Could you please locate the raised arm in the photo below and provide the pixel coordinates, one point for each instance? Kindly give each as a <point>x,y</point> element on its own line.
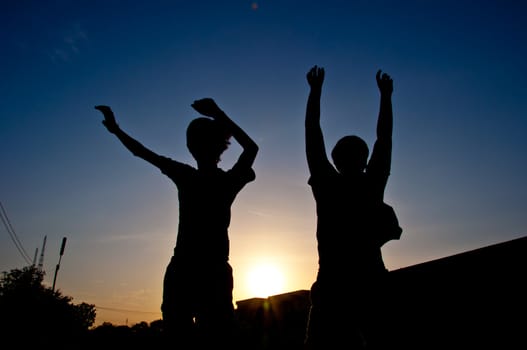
<point>315,147</point>
<point>380,161</point>
<point>131,144</point>
<point>385,121</point>
<point>209,108</point>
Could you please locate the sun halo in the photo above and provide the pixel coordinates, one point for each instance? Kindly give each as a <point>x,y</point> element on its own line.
<point>264,280</point>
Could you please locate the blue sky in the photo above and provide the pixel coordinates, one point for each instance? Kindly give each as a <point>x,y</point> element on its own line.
<point>459,160</point>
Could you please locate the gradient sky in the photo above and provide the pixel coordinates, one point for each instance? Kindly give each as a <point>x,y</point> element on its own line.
<point>459,142</point>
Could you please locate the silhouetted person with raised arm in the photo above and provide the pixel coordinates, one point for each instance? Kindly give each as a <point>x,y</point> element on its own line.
<point>353,223</point>
<point>197,288</point>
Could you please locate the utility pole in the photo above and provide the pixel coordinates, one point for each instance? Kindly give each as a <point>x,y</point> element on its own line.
<point>58,264</point>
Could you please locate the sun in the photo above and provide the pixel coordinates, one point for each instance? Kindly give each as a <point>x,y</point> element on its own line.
<point>264,280</point>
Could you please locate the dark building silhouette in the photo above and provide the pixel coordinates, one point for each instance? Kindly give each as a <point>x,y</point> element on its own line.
<point>473,299</point>
<point>276,322</point>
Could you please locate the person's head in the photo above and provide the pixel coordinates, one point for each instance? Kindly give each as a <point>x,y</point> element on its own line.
<point>350,155</point>
<point>207,139</point>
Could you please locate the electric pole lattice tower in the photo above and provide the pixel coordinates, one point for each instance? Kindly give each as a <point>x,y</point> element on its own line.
<point>41,260</point>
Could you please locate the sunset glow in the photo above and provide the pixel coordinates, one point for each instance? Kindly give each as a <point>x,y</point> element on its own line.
<point>265,280</point>
<point>457,171</point>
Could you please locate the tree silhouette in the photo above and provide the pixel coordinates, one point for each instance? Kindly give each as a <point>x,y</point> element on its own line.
<point>33,314</point>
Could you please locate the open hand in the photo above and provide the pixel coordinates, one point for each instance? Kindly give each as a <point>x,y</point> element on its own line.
<point>315,77</point>
<point>109,119</point>
<point>207,107</point>
<point>384,82</point>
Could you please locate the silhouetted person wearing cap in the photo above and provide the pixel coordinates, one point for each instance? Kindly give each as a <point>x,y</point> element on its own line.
<point>353,223</point>
<point>197,301</point>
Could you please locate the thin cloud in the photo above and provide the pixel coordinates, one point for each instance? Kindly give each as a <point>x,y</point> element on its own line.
<point>260,213</point>
<point>120,238</point>
<point>69,44</point>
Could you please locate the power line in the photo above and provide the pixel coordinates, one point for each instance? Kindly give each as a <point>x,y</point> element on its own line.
<point>12,234</point>
<point>124,310</point>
